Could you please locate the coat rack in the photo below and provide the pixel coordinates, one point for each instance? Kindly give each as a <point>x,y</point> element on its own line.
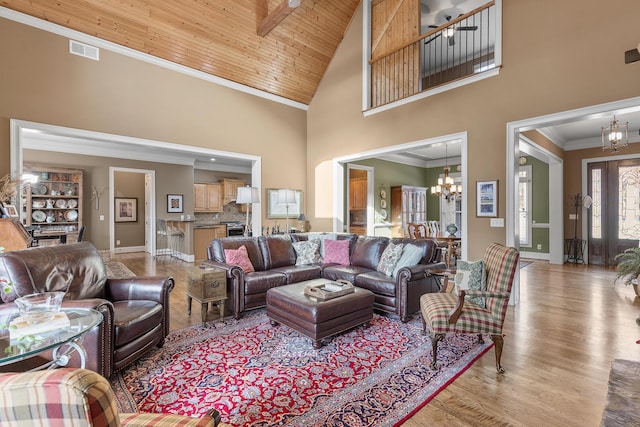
<point>575,247</point>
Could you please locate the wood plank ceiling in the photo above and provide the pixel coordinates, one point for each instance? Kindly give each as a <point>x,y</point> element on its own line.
<point>218,37</point>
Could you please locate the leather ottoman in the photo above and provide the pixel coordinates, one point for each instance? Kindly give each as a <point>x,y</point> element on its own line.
<point>315,318</point>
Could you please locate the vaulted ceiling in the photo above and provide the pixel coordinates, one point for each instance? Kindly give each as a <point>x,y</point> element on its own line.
<point>218,37</point>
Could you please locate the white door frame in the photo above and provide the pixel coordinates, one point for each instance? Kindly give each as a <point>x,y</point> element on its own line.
<point>149,209</point>
<point>338,177</point>
<point>556,223</point>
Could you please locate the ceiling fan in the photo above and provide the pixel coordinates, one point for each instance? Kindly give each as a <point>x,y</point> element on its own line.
<point>449,31</point>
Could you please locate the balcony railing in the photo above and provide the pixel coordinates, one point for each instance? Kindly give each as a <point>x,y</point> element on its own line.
<point>463,47</point>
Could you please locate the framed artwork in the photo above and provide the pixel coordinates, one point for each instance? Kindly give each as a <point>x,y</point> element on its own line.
<point>174,203</point>
<point>278,210</point>
<point>126,209</point>
<point>12,212</point>
<point>487,198</point>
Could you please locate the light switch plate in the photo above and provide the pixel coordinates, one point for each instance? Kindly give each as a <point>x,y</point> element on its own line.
<point>497,222</point>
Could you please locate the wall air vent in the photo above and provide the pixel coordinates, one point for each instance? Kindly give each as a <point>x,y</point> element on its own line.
<point>85,50</point>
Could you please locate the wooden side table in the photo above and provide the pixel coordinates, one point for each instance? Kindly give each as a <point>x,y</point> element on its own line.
<point>206,285</point>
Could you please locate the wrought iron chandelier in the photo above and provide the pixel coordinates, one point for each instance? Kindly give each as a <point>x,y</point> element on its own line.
<point>446,186</point>
<point>613,135</point>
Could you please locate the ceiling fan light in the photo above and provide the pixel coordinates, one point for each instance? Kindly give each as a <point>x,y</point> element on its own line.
<point>294,3</point>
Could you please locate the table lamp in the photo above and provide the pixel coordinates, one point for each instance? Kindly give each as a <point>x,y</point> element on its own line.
<point>303,220</point>
<point>247,196</point>
<point>287,198</point>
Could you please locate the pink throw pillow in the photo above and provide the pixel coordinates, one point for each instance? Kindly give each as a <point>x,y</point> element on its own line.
<point>336,251</point>
<point>239,257</point>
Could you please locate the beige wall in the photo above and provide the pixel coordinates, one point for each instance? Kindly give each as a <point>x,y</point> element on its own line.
<point>41,82</point>
<point>557,56</point>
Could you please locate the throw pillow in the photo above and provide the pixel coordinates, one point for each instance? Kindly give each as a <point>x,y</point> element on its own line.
<point>411,255</point>
<point>389,258</point>
<point>470,276</point>
<point>307,252</point>
<point>336,251</point>
<point>239,257</point>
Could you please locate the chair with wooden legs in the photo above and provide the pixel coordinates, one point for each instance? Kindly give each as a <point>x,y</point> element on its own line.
<point>447,313</point>
<point>416,230</point>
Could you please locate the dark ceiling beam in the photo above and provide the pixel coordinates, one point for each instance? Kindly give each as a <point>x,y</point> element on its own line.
<point>276,16</point>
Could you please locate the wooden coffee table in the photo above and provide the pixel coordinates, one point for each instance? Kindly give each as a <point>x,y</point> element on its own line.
<point>314,318</point>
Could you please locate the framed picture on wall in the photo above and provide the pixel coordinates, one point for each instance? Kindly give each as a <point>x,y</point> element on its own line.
<point>126,209</point>
<point>275,209</point>
<point>174,203</point>
<point>12,211</point>
<point>487,198</point>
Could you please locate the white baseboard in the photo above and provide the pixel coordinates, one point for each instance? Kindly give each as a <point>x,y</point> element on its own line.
<point>534,255</point>
<point>129,249</point>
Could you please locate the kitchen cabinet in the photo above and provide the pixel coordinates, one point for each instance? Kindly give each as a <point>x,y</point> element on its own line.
<point>358,194</point>
<point>202,237</point>
<point>230,189</point>
<point>359,230</point>
<point>55,202</point>
<point>408,204</point>
<point>207,197</point>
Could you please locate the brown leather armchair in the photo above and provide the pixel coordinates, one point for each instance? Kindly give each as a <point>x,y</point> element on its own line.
<point>135,310</point>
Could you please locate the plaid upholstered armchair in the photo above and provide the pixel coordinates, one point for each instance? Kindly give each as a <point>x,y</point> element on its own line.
<point>447,313</point>
<point>75,397</point>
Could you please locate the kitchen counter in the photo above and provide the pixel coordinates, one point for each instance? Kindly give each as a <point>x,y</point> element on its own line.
<point>197,237</point>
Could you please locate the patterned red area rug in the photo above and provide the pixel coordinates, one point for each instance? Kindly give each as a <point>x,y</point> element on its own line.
<point>259,375</point>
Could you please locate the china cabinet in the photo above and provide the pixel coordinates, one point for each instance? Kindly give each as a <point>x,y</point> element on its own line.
<point>408,204</point>
<point>55,202</point>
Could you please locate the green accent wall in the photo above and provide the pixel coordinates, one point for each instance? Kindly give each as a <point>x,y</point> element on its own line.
<point>539,204</point>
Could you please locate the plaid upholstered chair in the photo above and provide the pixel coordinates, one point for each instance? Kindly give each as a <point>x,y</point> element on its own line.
<point>447,313</point>
<point>75,397</point>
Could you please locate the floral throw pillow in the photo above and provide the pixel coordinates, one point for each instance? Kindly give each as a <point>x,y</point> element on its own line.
<point>336,251</point>
<point>239,257</point>
<point>390,258</point>
<point>470,276</point>
<point>307,252</point>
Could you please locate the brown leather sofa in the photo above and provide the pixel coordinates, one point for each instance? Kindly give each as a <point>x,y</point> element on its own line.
<point>135,310</point>
<point>274,258</point>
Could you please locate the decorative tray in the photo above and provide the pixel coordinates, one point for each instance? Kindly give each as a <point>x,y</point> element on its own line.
<point>329,289</point>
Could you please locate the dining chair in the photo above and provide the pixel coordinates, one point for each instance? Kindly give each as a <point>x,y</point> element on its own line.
<point>444,312</point>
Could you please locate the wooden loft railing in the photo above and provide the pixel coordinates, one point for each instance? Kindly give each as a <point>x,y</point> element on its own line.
<point>464,46</point>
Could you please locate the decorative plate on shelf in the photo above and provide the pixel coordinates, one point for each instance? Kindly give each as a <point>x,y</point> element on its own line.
<point>39,189</point>
<point>39,216</point>
<point>71,215</point>
<point>383,214</point>
<point>61,203</point>
<point>383,193</point>
<point>72,203</point>
<point>383,204</point>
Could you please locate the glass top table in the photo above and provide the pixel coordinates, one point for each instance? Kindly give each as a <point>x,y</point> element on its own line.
<point>82,320</point>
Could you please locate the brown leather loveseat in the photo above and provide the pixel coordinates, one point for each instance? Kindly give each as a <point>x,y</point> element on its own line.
<point>274,258</point>
<point>135,310</point>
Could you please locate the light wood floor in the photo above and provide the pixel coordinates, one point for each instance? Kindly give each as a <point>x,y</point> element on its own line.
<point>560,340</point>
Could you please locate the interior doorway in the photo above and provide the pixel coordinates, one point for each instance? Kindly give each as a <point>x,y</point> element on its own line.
<point>360,211</point>
<point>145,209</point>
